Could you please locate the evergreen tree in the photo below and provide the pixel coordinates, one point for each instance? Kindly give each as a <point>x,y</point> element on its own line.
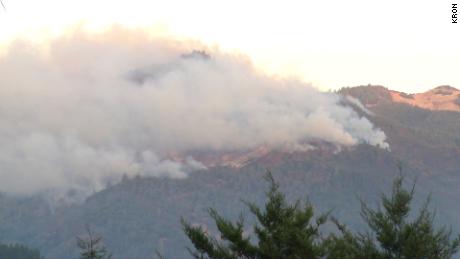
<point>394,233</point>
<point>283,230</point>
<point>91,246</point>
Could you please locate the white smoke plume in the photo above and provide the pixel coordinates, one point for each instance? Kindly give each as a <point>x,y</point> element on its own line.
<point>87,108</point>
<point>353,101</point>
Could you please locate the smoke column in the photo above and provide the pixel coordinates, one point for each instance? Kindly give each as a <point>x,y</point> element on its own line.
<point>85,108</point>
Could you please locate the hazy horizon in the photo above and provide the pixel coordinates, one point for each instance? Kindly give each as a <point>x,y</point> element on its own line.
<point>407,46</point>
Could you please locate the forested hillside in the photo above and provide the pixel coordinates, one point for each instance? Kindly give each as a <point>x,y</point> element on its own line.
<point>141,215</point>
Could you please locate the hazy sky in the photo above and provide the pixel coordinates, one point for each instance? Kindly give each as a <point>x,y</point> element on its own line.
<point>405,45</point>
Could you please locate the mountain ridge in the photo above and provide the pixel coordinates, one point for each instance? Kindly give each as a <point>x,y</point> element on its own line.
<point>372,99</point>
<point>142,214</point>
<point>441,98</point>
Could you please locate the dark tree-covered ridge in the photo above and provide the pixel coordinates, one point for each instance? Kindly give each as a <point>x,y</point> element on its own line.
<point>16,251</point>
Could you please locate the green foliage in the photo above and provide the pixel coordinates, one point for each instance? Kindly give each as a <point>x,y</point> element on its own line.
<point>283,231</point>
<point>91,246</point>
<point>286,231</point>
<point>18,252</point>
<point>394,233</point>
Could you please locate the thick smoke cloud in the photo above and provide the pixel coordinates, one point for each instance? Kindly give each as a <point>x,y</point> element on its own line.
<point>84,109</point>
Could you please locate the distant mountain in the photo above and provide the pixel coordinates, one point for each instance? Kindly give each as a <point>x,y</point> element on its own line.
<point>141,215</point>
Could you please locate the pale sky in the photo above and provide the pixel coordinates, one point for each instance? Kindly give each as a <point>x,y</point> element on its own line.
<point>405,45</point>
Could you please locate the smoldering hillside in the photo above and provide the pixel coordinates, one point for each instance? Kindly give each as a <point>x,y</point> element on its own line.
<point>83,109</point>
